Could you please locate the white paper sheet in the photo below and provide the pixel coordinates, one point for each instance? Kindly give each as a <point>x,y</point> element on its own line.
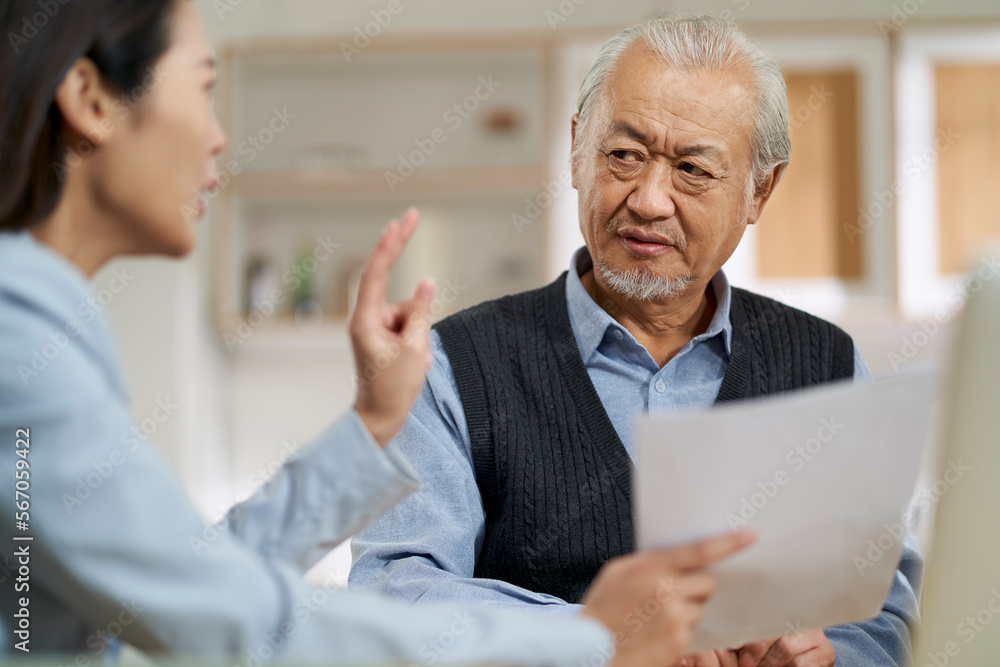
<point>823,476</point>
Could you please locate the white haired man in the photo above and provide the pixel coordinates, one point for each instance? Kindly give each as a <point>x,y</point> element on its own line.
<point>522,432</point>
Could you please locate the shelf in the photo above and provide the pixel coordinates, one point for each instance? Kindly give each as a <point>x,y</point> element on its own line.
<point>328,150</point>
<point>371,182</point>
<point>428,42</point>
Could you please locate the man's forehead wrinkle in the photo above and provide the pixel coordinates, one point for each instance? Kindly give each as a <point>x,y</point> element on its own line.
<point>675,109</point>
<point>690,131</point>
<point>666,103</point>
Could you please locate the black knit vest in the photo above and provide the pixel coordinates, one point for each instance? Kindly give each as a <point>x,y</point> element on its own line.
<point>554,476</point>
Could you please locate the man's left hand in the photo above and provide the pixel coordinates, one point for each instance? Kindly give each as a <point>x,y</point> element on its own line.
<point>805,649</point>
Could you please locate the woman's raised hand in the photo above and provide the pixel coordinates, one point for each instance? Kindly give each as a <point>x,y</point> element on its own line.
<point>390,340</point>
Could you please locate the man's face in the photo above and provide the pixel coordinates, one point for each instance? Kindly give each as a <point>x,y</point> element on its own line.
<point>663,170</point>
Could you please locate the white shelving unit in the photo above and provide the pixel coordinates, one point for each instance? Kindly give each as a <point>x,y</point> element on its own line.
<point>323,152</point>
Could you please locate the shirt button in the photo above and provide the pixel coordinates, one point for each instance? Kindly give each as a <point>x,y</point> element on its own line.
<point>618,334</point>
<point>661,386</point>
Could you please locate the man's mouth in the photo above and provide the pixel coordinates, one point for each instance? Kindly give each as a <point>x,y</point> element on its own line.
<point>644,243</point>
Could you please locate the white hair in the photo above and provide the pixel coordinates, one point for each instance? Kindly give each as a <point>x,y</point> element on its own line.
<point>693,43</point>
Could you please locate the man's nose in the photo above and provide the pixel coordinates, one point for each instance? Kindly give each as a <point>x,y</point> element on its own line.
<point>653,195</point>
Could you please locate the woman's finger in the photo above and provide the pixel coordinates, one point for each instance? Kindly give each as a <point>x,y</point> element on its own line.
<point>375,275</point>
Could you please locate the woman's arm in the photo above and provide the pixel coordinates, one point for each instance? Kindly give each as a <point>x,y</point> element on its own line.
<point>343,480</point>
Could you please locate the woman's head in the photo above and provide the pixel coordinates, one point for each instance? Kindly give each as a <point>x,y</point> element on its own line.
<point>107,110</point>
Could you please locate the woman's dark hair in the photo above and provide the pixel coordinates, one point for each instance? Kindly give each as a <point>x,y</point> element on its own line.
<point>41,41</point>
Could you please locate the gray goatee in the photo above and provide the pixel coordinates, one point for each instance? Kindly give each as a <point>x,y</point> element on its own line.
<point>639,285</point>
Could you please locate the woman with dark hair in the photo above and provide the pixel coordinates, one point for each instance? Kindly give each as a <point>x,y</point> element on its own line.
<point>106,127</point>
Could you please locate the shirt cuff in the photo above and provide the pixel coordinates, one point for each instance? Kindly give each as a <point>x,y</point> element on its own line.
<point>390,455</point>
<point>365,452</point>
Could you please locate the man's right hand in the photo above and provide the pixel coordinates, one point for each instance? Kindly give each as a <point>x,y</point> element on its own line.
<point>651,601</point>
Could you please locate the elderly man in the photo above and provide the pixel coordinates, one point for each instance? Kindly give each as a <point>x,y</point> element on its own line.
<point>522,432</point>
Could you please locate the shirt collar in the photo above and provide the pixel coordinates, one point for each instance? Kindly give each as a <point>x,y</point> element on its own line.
<point>590,322</point>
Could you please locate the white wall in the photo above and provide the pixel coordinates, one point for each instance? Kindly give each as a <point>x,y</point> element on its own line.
<point>171,355</point>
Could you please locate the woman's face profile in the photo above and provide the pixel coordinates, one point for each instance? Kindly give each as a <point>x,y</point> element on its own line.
<point>151,169</point>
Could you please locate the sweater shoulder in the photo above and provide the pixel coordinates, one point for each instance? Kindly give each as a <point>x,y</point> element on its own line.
<point>757,306</point>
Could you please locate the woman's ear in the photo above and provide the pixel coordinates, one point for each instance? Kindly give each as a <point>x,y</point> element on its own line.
<point>85,103</point>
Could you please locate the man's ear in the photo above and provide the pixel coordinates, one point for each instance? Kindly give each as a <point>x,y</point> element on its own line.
<point>573,124</point>
<point>85,103</point>
<point>763,193</point>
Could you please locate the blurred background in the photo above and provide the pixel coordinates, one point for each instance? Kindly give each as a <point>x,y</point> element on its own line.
<point>341,115</point>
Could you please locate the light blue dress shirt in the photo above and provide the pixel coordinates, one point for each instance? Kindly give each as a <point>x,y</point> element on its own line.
<point>426,548</point>
<point>118,551</point>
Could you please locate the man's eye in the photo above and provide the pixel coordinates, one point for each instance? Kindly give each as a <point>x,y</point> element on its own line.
<point>625,156</point>
<point>693,170</point>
